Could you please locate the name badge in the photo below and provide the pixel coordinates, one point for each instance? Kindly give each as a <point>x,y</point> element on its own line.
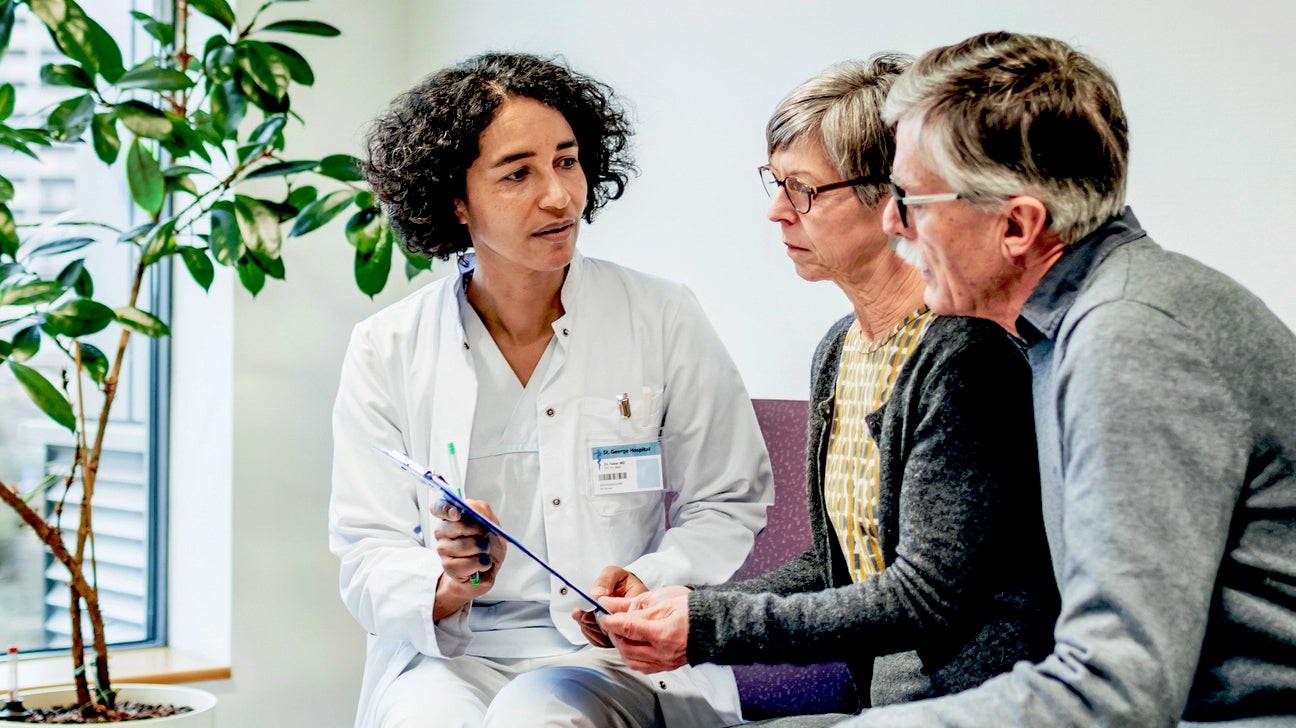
<point>630,468</point>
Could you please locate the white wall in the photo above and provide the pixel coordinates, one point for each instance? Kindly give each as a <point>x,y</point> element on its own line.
<point>1206,86</point>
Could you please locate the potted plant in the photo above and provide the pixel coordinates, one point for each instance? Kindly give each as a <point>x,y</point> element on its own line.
<point>186,126</point>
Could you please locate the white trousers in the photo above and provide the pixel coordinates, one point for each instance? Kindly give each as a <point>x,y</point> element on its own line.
<point>588,688</point>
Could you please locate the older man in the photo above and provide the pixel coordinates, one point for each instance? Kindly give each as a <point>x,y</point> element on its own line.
<point>1165,399</point>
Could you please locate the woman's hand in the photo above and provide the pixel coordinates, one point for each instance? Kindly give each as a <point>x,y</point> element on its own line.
<point>650,630</point>
<point>467,550</point>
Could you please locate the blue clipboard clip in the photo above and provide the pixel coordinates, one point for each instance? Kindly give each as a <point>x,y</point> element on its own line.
<point>426,476</point>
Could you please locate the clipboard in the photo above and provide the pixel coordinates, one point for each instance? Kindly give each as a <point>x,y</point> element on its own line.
<point>428,477</point>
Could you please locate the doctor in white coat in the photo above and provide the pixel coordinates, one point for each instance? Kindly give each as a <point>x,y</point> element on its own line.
<point>590,406</point>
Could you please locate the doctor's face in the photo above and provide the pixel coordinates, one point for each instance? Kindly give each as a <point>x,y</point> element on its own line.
<point>525,191</point>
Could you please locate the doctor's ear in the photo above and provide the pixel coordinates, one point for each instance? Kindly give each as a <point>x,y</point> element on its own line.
<point>461,211</point>
<point>1027,221</point>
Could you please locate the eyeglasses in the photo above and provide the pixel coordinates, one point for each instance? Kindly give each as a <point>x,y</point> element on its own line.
<point>904,201</point>
<point>802,195</point>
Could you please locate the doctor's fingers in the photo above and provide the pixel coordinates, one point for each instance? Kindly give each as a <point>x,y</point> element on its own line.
<point>469,528</point>
<point>461,568</point>
<point>463,546</point>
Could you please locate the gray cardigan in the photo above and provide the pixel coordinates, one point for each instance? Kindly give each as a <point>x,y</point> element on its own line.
<point>967,583</point>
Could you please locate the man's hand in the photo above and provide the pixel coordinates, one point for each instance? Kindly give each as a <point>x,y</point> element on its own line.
<point>467,550</point>
<point>613,581</point>
<point>651,630</point>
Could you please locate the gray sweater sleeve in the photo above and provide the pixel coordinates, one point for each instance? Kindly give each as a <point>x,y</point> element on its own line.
<point>960,466</point>
<point>1154,451</point>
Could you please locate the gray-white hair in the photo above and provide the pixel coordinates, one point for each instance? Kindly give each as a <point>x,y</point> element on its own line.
<point>1004,114</point>
<point>841,109</point>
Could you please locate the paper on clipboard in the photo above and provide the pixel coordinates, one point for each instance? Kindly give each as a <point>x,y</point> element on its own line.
<point>428,477</point>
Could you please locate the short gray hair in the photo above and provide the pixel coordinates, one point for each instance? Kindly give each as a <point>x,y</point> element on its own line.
<point>840,108</point>
<point>1004,114</point>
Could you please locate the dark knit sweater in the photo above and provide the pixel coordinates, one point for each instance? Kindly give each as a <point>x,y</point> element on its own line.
<point>968,583</point>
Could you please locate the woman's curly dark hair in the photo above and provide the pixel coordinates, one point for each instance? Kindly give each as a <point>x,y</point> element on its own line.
<point>420,149</point>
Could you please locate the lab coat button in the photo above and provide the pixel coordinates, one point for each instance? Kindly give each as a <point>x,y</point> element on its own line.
<point>563,591</point>
<point>662,683</point>
<point>557,501</point>
<point>550,411</point>
<point>564,332</point>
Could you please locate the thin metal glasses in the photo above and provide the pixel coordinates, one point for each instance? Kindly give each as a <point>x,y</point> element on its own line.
<point>802,195</point>
<point>904,201</point>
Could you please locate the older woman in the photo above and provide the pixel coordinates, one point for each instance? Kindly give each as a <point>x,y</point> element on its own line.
<point>534,360</point>
<point>923,488</point>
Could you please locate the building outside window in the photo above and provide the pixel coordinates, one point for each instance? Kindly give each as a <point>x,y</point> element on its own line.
<point>70,183</point>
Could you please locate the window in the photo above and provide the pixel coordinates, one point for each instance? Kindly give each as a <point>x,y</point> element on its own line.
<point>70,183</point>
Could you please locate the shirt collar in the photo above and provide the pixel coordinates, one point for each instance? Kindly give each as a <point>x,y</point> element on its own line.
<point>1042,314</point>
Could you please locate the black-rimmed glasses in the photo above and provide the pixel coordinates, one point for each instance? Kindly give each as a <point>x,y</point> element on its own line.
<point>904,201</point>
<point>802,195</point>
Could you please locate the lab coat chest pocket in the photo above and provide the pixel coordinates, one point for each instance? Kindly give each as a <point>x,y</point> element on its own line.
<point>623,461</point>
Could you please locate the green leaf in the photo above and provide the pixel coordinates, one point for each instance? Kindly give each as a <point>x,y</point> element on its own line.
<point>66,74</point>
<point>258,226</point>
<point>7,96</point>
<point>372,269</point>
<point>147,185</point>
<point>225,239</point>
<point>80,38</point>
<point>6,189</point>
<point>364,198</point>
<point>26,343</point>
<point>56,247</point>
<point>301,197</point>
<point>137,233</point>
<point>217,10</point>
<point>27,293</point>
<point>279,169</point>
<point>185,140</point>
<point>8,232</point>
<point>321,211</point>
<point>342,167</point>
<point>273,267</point>
<point>219,59</point>
<point>305,27</point>
<point>103,132</point>
<point>364,230</point>
<point>155,79</point>
<point>46,397</point>
<point>259,97</point>
<point>94,362</point>
<point>144,119</point>
<point>163,32</point>
<point>414,264</point>
<point>267,69</point>
<point>78,317</point>
<point>5,350</point>
<point>69,120</point>
<point>251,275</point>
<point>75,276</point>
<point>267,134</point>
<point>142,322</point>
<point>199,265</point>
<point>297,65</point>
<point>228,107</point>
<point>7,17</point>
<point>161,243</point>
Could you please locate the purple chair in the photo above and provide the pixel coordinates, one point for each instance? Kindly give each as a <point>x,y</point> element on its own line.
<point>769,691</point>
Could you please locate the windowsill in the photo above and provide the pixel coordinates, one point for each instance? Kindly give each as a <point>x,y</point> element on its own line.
<point>139,665</point>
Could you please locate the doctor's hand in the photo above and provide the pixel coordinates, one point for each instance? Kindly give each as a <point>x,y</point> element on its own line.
<point>467,550</point>
<point>613,581</point>
<point>650,630</point>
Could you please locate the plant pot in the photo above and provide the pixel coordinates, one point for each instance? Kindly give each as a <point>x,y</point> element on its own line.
<point>203,703</point>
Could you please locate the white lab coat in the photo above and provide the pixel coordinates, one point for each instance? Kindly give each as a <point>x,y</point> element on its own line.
<point>407,383</point>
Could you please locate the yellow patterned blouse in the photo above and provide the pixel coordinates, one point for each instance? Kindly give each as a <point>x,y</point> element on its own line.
<point>868,372</point>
